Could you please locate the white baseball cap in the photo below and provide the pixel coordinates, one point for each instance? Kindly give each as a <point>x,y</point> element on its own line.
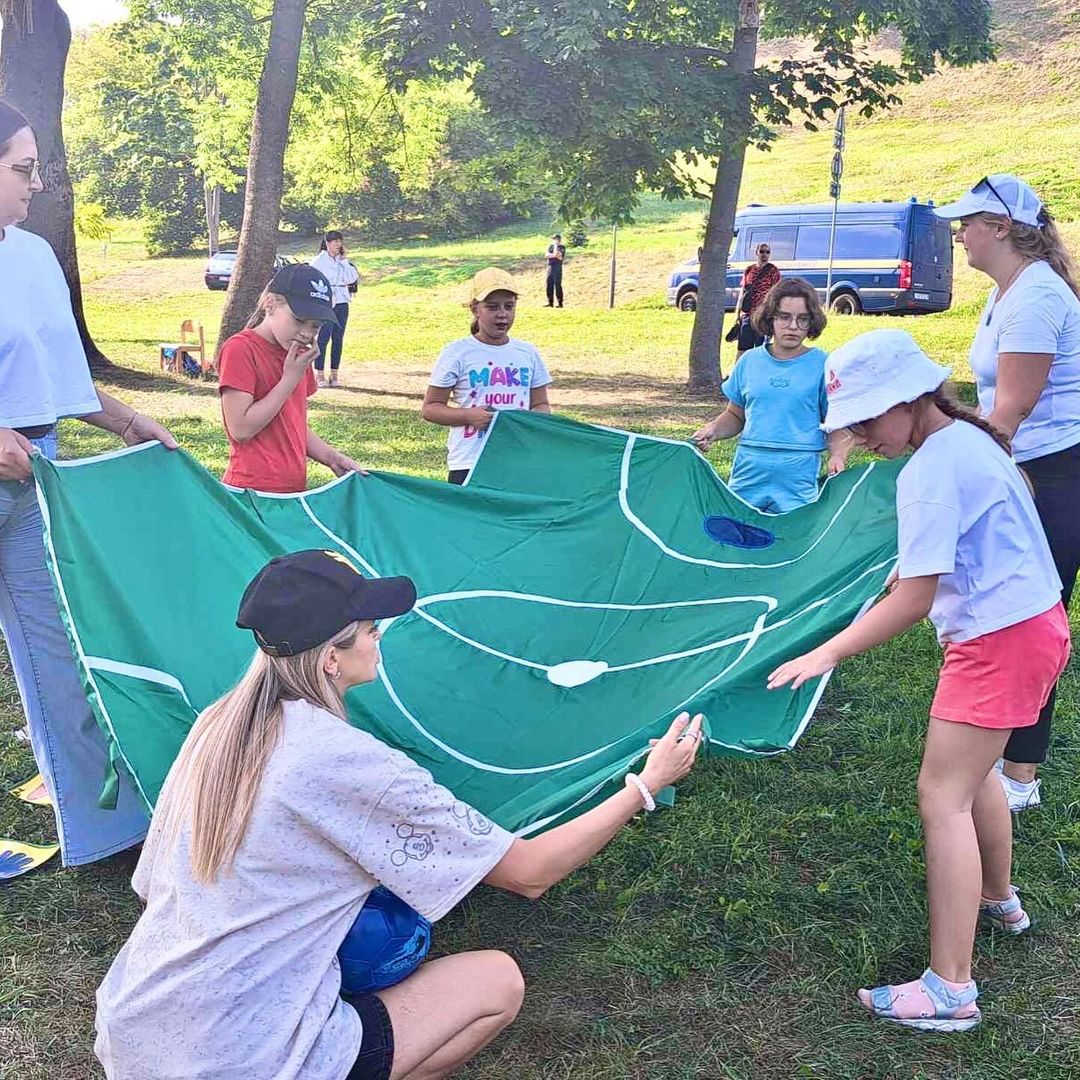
<point>1000,192</point>
<point>871,373</point>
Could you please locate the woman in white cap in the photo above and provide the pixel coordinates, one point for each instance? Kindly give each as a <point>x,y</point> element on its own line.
<point>974,558</point>
<point>1026,360</point>
<point>484,373</point>
<point>276,823</point>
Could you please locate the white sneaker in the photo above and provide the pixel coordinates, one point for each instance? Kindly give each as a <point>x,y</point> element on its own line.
<point>321,381</point>
<point>1020,796</point>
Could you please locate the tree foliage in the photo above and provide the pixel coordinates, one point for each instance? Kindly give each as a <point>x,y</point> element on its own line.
<point>615,96</point>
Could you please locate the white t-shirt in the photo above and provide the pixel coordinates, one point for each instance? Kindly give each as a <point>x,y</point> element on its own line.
<point>964,513</point>
<point>239,979</point>
<point>43,372</point>
<point>1039,313</point>
<point>339,272</point>
<point>485,376</point>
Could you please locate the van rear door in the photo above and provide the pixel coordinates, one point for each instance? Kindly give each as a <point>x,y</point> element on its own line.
<point>931,260</point>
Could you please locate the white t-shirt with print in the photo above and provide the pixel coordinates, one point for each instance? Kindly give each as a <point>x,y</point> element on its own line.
<point>485,376</point>
<point>1039,313</point>
<point>239,978</point>
<point>964,513</point>
<point>43,372</point>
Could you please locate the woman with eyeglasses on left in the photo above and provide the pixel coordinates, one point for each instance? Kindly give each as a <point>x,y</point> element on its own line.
<point>776,404</point>
<point>44,377</point>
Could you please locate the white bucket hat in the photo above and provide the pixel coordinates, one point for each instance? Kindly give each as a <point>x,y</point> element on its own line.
<point>871,373</point>
<point>996,194</point>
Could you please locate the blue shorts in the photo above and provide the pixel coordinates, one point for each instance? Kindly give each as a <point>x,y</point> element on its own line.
<point>775,481</point>
<point>376,1057</point>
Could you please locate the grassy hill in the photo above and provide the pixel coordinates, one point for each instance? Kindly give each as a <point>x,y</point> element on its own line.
<point>722,941</point>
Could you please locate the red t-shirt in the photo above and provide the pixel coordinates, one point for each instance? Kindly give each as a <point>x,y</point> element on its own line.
<point>276,459</point>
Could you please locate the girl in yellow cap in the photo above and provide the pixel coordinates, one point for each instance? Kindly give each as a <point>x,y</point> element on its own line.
<point>483,373</point>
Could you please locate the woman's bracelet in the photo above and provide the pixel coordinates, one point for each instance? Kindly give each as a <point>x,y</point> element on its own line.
<point>635,781</point>
<point>127,427</point>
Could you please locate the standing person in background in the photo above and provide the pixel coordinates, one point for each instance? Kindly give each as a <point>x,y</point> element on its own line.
<point>556,256</point>
<point>44,377</point>
<point>1026,360</point>
<point>758,279</point>
<point>485,372</point>
<point>343,278</point>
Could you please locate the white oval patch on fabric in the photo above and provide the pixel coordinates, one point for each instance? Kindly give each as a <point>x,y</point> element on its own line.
<point>576,672</point>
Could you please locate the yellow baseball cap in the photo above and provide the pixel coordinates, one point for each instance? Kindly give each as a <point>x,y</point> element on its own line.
<point>491,279</point>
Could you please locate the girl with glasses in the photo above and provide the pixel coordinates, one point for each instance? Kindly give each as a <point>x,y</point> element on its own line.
<point>776,403</point>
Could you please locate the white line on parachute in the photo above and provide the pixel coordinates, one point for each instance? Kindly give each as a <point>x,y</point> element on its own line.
<point>137,671</point>
<point>624,480</point>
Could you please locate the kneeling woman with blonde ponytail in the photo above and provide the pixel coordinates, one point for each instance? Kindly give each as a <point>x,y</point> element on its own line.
<point>275,824</point>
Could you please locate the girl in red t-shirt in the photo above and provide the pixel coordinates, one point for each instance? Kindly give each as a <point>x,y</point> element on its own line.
<point>265,379</point>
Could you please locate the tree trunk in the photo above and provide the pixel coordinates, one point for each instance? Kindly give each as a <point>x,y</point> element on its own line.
<point>33,56</point>
<point>705,373</point>
<point>266,167</point>
<point>212,197</point>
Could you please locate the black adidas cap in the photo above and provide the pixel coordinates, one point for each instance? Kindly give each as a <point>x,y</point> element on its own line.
<point>307,290</point>
<point>300,600</point>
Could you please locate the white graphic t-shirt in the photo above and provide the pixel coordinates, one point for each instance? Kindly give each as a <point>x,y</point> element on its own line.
<point>239,978</point>
<point>485,376</point>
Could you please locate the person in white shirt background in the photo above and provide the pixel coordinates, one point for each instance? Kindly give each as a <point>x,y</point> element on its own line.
<point>43,378</point>
<point>277,821</point>
<point>343,278</point>
<point>1026,360</point>
<point>486,372</point>
<point>974,558</point>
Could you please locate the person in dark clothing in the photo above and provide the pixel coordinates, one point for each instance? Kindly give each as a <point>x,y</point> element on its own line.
<point>556,254</point>
<point>758,279</point>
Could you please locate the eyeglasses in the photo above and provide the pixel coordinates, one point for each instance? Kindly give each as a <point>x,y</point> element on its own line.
<point>784,318</point>
<point>993,191</point>
<point>32,171</point>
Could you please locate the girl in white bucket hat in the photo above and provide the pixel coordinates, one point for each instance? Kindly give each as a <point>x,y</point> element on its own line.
<point>972,556</point>
<point>1026,360</point>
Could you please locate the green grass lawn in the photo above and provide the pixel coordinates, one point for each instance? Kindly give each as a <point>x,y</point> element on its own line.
<point>724,939</point>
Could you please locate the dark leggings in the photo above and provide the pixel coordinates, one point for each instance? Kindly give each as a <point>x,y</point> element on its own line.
<point>335,334</point>
<point>1056,479</point>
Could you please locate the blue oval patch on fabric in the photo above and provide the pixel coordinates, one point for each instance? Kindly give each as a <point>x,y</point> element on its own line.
<point>725,530</point>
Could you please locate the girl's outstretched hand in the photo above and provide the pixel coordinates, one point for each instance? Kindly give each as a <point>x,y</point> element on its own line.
<point>802,668</point>
<point>671,756</point>
<point>704,437</point>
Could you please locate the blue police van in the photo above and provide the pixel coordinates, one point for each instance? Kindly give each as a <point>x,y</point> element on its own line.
<point>889,257</point>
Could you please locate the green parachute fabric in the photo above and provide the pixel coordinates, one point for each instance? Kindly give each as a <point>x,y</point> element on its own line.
<point>583,588</point>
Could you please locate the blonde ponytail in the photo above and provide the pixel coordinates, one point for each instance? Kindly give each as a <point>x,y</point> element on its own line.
<point>216,778</point>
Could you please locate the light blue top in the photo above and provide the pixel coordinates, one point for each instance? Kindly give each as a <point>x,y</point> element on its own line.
<point>784,400</point>
<point>1038,313</point>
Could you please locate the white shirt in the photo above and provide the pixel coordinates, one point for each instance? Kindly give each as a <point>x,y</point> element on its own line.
<point>239,979</point>
<point>43,372</point>
<point>964,513</point>
<point>485,376</point>
<point>1039,313</point>
<point>339,272</point>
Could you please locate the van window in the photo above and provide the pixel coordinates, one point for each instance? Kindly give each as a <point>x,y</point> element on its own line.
<point>780,238</point>
<point>853,241</point>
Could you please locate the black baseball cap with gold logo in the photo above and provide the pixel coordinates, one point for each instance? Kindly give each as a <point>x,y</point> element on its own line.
<point>300,600</point>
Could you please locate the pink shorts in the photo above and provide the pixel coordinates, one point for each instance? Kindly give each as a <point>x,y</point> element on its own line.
<point>1002,679</point>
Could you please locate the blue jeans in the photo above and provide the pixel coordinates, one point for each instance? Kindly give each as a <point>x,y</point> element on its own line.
<point>335,335</point>
<point>68,745</point>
